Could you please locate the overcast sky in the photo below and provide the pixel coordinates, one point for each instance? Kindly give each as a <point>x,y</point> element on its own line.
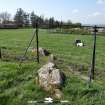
<point>84,11</point>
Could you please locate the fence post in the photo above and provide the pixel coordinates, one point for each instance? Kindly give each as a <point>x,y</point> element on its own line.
<point>37,42</point>
<point>0,53</point>
<point>94,54</point>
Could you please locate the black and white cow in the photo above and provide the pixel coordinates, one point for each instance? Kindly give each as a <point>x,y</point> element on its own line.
<point>79,43</point>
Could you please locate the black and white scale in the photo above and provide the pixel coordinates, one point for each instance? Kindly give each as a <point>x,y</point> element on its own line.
<point>48,100</point>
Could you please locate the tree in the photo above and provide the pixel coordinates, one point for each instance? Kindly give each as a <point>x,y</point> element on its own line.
<point>51,22</point>
<point>26,19</point>
<point>19,17</point>
<point>34,19</point>
<point>5,17</point>
<point>40,21</point>
<point>46,23</point>
<point>78,25</point>
<point>57,24</point>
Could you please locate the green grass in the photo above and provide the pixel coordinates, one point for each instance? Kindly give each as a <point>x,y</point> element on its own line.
<point>17,85</point>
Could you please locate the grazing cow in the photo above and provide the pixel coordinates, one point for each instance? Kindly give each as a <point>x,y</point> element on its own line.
<point>79,43</point>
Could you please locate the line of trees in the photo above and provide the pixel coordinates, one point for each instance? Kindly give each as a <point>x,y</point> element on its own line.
<point>24,19</point>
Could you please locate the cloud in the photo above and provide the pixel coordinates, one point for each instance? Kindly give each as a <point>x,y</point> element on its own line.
<point>100,1</point>
<point>75,11</point>
<point>94,15</point>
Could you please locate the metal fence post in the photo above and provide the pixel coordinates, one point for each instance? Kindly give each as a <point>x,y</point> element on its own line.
<point>94,54</point>
<point>37,41</point>
<point>0,53</point>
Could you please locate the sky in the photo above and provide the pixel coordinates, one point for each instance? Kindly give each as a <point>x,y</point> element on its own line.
<point>84,11</point>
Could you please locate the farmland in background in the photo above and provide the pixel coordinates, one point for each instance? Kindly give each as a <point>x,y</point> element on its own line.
<point>17,85</point>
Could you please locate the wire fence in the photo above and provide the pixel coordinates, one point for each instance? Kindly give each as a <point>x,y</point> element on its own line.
<point>68,53</point>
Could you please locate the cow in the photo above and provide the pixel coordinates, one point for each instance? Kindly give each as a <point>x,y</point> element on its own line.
<point>79,43</point>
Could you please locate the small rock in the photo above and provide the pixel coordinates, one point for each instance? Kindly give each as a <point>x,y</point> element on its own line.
<point>42,51</point>
<point>52,58</point>
<point>58,94</point>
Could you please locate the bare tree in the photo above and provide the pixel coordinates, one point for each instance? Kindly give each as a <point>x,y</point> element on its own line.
<point>5,17</point>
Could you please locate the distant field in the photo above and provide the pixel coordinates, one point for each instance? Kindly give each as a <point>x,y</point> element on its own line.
<point>18,86</point>
<point>61,45</point>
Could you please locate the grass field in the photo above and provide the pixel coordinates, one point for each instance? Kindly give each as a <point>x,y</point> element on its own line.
<point>17,85</point>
